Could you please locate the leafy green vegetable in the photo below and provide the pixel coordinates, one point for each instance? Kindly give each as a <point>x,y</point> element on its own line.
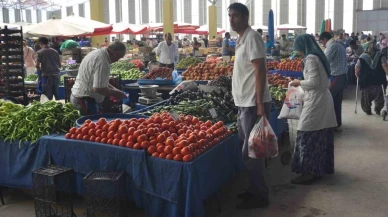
<point>36,120</point>
<point>122,65</point>
<point>32,77</point>
<point>186,62</point>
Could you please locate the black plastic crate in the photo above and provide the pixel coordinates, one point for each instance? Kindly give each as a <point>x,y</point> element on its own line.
<point>52,191</point>
<point>105,194</point>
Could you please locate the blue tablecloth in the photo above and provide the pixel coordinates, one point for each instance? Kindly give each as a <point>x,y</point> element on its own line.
<point>162,187</point>
<point>292,74</point>
<point>17,163</point>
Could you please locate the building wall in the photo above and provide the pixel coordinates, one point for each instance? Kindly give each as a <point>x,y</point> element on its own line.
<point>319,14</point>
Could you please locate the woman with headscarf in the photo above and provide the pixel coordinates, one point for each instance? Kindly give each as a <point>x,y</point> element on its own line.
<point>371,70</point>
<point>314,148</point>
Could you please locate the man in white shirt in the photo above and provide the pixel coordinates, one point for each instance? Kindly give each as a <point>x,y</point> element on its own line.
<point>252,97</point>
<point>167,52</point>
<point>92,82</point>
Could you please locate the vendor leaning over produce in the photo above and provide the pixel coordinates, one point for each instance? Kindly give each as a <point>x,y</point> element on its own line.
<point>49,63</point>
<point>92,82</point>
<point>252,97</point>
<point>167,52</point>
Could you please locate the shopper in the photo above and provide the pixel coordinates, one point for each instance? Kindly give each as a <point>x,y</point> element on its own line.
<point>48,63</point>
<point>92,82</point>
<point>251,96</point>
<point>206,41</point>
<point>196,45</point>
<point>268,45</point>
<point>284,43</point>
<point>354,50</point>
<point>167,52</point>
<point>226,49</point>
<point>314,148</point>
<point>336,55</point>
<point>29,59</point>
<point>371,70</point>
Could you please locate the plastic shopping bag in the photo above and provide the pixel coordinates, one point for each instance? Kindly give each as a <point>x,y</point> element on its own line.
<point>185,85</point>
<point>293,103</point>
<point>262,142</point>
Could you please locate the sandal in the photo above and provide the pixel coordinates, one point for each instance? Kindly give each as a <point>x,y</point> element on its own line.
<point>305,179</point>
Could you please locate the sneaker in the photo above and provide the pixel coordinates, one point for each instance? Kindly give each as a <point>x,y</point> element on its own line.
<point>254,202</point>
<point>338,129</point>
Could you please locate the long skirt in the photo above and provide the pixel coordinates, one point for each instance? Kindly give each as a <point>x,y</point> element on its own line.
<point>369,94</point>
<point>314,152</point>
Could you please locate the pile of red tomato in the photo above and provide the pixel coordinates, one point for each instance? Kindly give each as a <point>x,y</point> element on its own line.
<point>161,135</point>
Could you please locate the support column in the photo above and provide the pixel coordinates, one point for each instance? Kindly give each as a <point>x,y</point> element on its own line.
<point>97,14</point>
<point>168,17</point>
<point>212,21</point>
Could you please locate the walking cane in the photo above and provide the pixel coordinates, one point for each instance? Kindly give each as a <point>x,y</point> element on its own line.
<point>355,110</point>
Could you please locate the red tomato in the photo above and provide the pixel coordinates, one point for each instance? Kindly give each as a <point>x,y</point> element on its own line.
<point>92,138</point>
<point>170,157</point>
<point>73,136</point>
<point>98,132</point>
<point>176,150</point>
<point>92,125</point>
<point>208,123</point>
<point>105,127</point>
<point>85,130</point>
<point>104,135</point>
<point>85,137</point>
<point>195,120</point>
<point>192,139</point>
<point>162,155</point>
<point>155,154</point>
<point>161,138</point>
<point>160,149</point>
<point>168,149</point>
<point>104,140</point>
<point>178,157</point>
<point>137,146</point>
<point>131,138</point>
<point>151,149</point>
<point>112,128</point>
<point>172,129</point>
<point>153,142</point>
<point>142,138</point>
<point>137,134</point>
<point>68,136</point>
<point>124,136</point>
<point>145,144</point>
<point>169,142</point>
<point>101,121</point>
<point>123,142</point>
<point>183,143</point>
<point>98,139</point>
<point>111,135</point>
<point>78,131</point>
<point>88,121</point>
<point>116,141</point>
<point>185,151</point>
<point>174,136</point>
<point>150,132</point>
<point>110,141</point>
<point>72,130</point>
<point>92,132</point>
<point>131,130</point>
<point>129,144</point>
<point>166,133</point>
<point>117,136</point>
<point>187,158</point>
<point>123,129</point>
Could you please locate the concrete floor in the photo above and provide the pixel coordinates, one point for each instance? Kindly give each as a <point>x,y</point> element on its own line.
<point>358,188</point>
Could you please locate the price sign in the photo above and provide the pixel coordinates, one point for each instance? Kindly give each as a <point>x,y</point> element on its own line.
<point>175,116</point>
<point>213,113</point>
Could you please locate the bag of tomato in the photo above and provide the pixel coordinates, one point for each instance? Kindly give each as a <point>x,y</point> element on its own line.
<point>262,142</point>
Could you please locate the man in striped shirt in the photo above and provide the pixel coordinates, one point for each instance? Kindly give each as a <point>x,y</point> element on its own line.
<point>336,55</point>
<point>92,82</point>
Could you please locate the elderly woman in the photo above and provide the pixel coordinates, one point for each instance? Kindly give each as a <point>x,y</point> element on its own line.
<point>371,70</point>
<point>314,149</point>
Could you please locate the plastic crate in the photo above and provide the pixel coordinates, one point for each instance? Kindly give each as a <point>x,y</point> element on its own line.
<point>105,194</point>
<point>52,191</point>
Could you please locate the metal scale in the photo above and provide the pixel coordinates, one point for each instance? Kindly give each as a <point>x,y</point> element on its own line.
<point>149,95</point>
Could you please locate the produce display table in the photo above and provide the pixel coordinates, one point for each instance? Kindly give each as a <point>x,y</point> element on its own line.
<point>135,86</point>
<point>292,74</point>
<point>162,187</point>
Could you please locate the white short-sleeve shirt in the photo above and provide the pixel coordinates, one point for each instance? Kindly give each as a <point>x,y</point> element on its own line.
<point>93,72</point>
<point>249,47</point>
